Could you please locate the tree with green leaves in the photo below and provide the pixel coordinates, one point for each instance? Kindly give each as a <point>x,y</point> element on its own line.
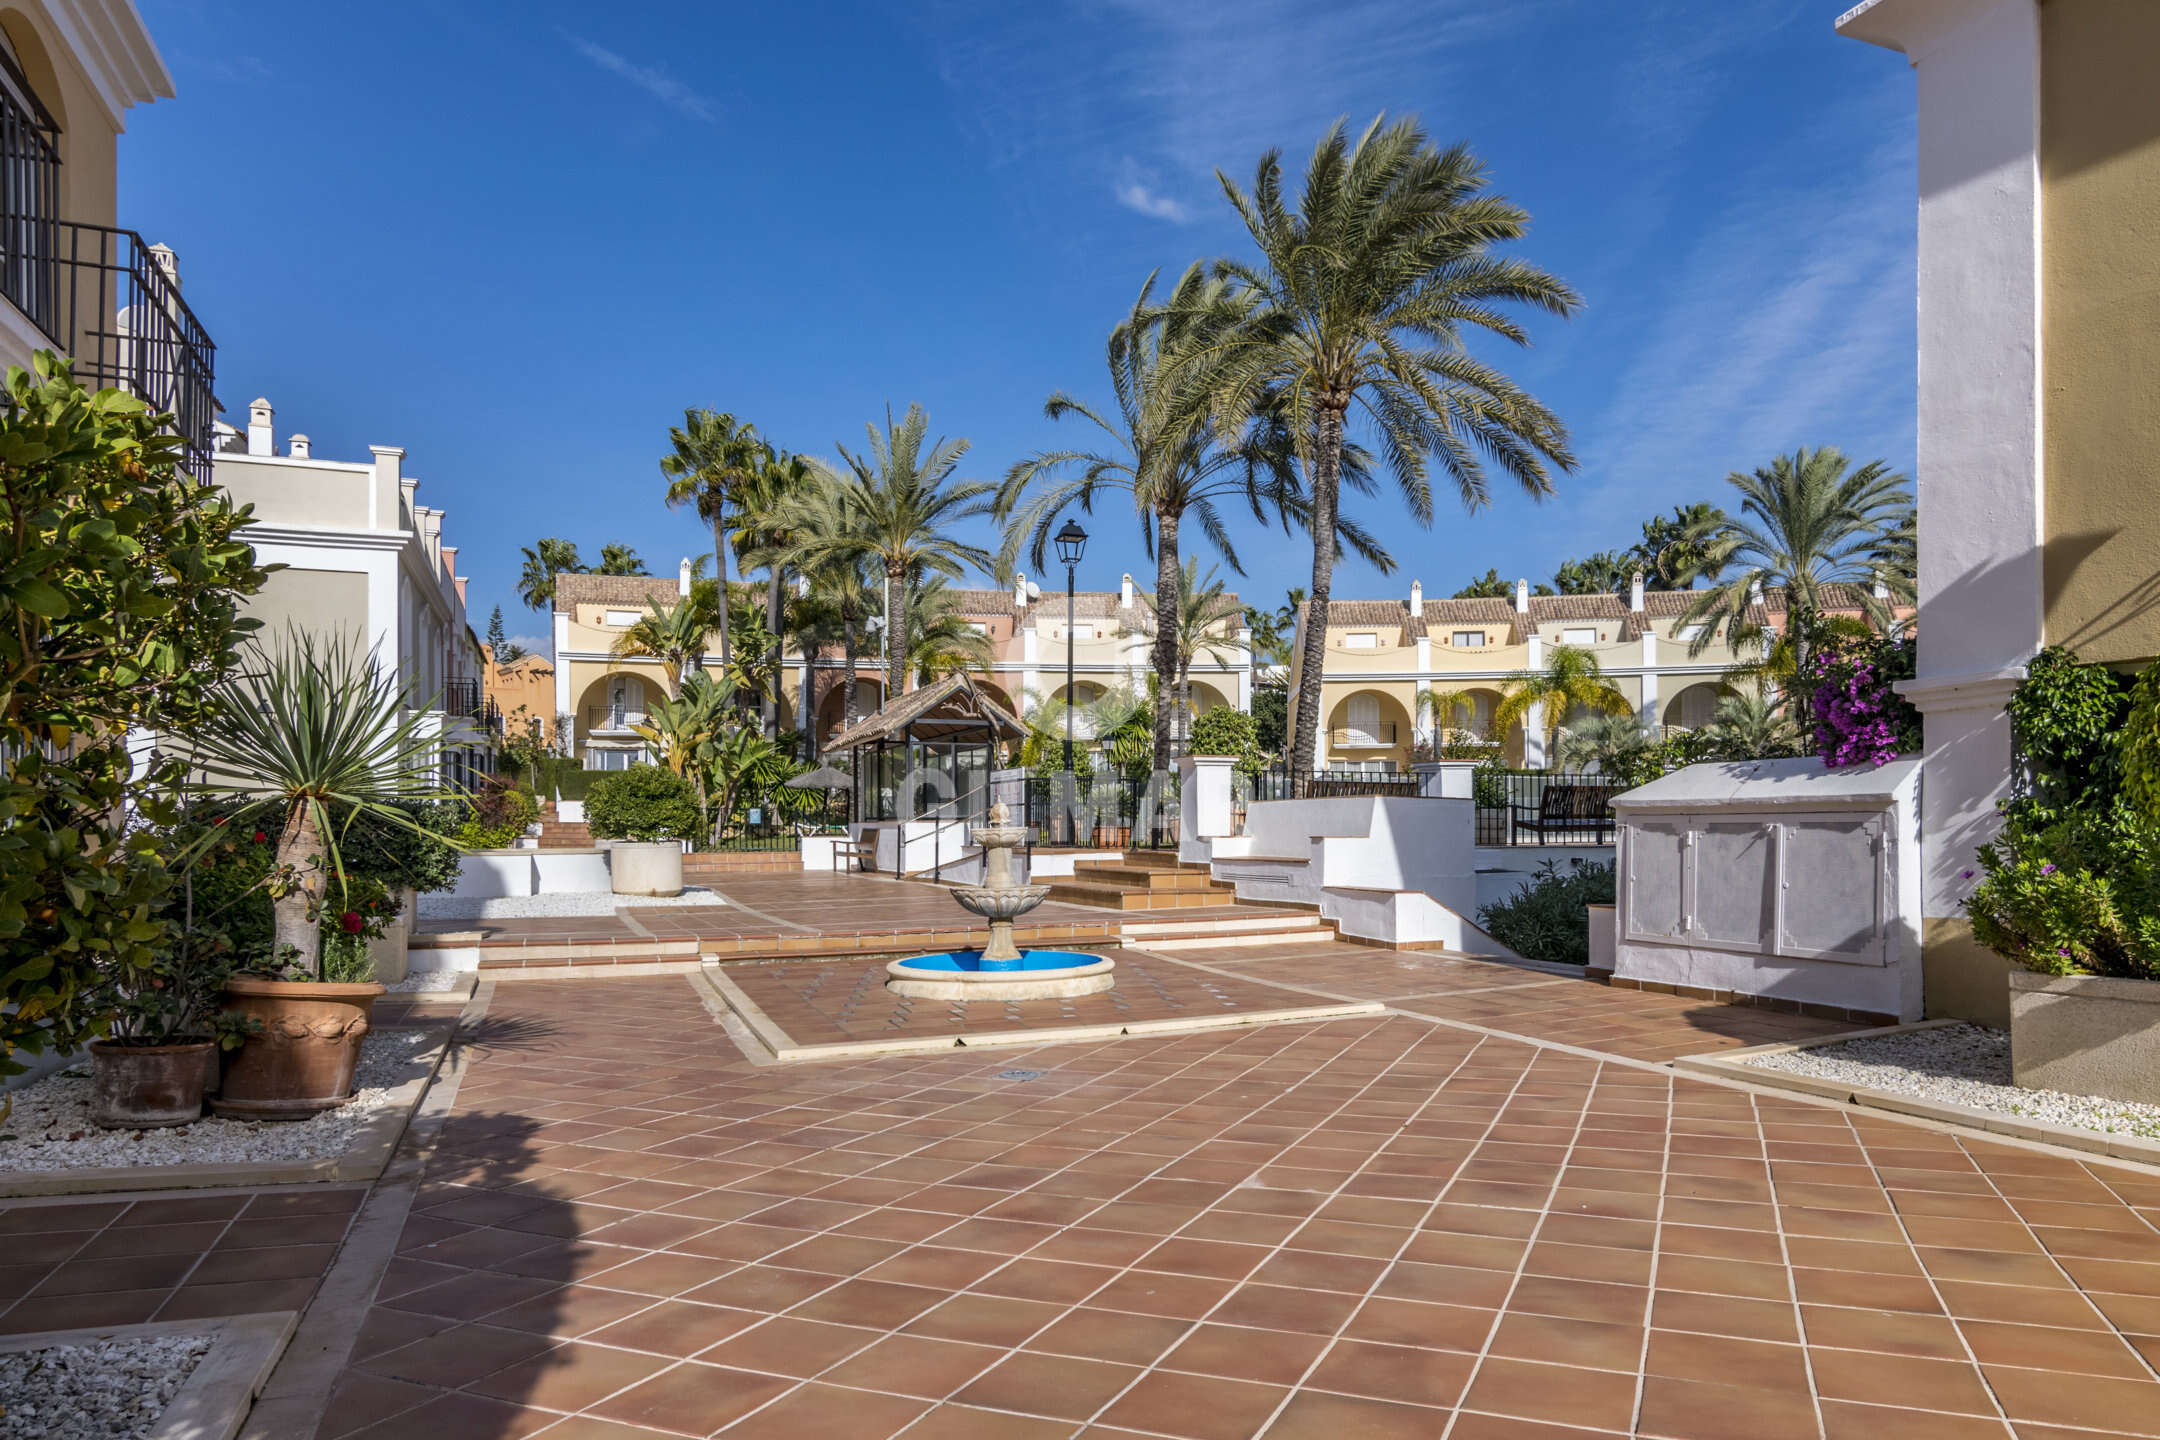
<point>712,457</point>
<point>1490,586</point>
<point>120,609</point>
<point>620,560</point>
<point>543,562</point>
<point>903,503</point>
<point>763,536</point>
<point>1571,683</point>
<point>312,734</point>
<point>1806,520</point>
<point>941,640</point>
<point>823,544</point>
<point>1362,295</point>
<point>1605,573</point>
<point>675,635</point>
<point>1206,617</point>
<point>1672,553</point>
<point>500,645</point>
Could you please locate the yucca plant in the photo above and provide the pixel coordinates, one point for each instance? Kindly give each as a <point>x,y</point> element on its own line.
<point>305,730</point>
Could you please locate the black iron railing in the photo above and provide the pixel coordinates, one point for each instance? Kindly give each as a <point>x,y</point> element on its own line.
<point>1103,811</point>
<point>462,697</point>
<point>1513,807</point>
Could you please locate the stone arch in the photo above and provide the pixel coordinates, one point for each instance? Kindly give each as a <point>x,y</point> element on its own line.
<point>1695,706</point>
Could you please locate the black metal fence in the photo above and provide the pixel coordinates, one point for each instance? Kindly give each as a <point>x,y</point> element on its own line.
<point>1098,811</point>
<point>1543,807</point>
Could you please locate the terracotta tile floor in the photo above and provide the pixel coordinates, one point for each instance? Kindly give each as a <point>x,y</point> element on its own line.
<point>90,1261</point>
<point>830,1002</point>
<point>1362,1228</point>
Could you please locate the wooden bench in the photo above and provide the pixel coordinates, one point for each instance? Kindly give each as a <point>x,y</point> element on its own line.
<point>1567,807</point>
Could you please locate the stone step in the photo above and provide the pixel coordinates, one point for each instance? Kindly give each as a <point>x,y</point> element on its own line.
<point>1311,934</point>
<point>1244,922</point>
<point>1143,877</point>
<point>1119,897</point>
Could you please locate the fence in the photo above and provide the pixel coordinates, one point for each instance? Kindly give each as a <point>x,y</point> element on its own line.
<point>1512,809</point>
<point>1103,811</point>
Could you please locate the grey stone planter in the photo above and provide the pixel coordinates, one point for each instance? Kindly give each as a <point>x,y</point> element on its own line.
<point>646,867</point>
<point>2086,1034</point>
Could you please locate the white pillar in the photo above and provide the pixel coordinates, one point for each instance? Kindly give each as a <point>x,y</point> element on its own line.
<point>1446,779</point>
<point>1204,813</point>
<point>1649,678</point>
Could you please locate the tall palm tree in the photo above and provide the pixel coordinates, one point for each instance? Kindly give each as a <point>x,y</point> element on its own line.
<point>1203,608</point>
<point>1671,552</point>
<point>1159,452</point>
<point>713,457</point>
<point>544,560</point>
<point>674,636</point>
<point>1751,725</point>
<point>1363,294</point>
<point>311,734</point>
<point>1571,681</point>
<point>763,515</point>
<point>823,544</point>
<point>903,501</point>
<point>1806,520</point>
<point>941,641</point>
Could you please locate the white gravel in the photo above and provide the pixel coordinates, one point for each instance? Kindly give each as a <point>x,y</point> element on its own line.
<point>51,1128</point>
<point>1959,1065</point>
<point>576,902</point>
<point>111,1390</point>
<point>429,982</point>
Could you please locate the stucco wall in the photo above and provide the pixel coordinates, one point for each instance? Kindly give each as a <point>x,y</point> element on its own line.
<point>2100,223</point>
<point>321,602</point>
<point>315,494</point>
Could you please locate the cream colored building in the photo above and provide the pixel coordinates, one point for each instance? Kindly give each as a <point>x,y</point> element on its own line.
<point>71,279</point>
<point>1111,642</point>
<point>1383,655</point>
<point>363,558</point>
<point>2039,335</point>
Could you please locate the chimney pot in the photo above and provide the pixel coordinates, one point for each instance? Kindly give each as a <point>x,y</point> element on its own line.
<point>262,437</point>
<point>682,577</point>
<point>1522,597</point>
<point>1417,599</point>
<point>300,447</point>
<point>1881,591</point>
<point>1635,589</point>
<point>1020,593</point>
<point>1125,597</point>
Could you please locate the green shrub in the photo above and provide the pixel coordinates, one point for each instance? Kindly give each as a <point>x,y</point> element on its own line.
<point>498,815</point>
<point>1224,731</point>
<point>2138,744</point>
<point>1548,918</point>
<point>222,902</point>
<point>1488,786</point>
<point>644,802</point>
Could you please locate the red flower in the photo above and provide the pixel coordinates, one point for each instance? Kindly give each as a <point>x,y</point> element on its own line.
<point>352,922</point>
<point>260,837</point>
<point>220,820</point>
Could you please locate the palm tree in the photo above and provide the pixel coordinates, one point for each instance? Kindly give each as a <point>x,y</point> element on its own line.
<point>941,641</point>
<point>674,636</point>
<point>902,502</point>
<point>1604,573</point>
<point>1202,609</point>
<point>1671,553</point>
<point>763,515</point>
<point>314,730</point>
<point>823,544</point>
<point>1806,520</point>
<point>543,562</point>
<point>713,457</point>
<point>683,730</point>
<point>1609,740</point>
<point>1363,294</point>
<point>1572,680</point>
<point>1751,725</point>
<point>620,560</point>
<point>1159,452</point>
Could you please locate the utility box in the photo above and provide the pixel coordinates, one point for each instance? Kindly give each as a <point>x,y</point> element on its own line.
<point>1775,878</point>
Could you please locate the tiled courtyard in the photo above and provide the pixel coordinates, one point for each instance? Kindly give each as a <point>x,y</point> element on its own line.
<point>1377,1228</point>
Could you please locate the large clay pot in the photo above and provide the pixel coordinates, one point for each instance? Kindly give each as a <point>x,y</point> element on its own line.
<point>302,1061</point>
<point>142,1087</point>
<point>645,867</point>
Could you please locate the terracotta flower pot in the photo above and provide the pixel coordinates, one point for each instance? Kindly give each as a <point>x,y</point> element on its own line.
<point>143,1087</point>
<point>302,1061</point>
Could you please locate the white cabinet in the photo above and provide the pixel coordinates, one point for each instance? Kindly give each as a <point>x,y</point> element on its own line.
<point>1799,885</point>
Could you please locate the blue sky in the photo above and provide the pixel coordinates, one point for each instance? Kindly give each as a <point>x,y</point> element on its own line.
<point>519,240</point>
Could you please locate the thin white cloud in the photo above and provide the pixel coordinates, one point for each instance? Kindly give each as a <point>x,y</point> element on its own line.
<point>1139,198</point>
<point>534,644</point>
<point>651,79</point>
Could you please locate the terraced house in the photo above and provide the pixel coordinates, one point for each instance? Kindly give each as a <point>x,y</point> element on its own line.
<point>1111,639</point>
<point>1387,659</point>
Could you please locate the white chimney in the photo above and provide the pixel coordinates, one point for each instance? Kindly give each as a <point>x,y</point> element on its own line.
<point>1522,597</point>
<point>262,439</point>
<point>1020,595</point>
<point>162,256</point>
<point>682,577</point>
<point>1417,599</point>
<point>1635,593</point>
<point>1125,596</point>
<point>299,447</point>
<point>1881,591</point>
<point>1754,592</point>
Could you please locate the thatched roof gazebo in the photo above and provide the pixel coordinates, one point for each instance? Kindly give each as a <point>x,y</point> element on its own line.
<point>946,735</point>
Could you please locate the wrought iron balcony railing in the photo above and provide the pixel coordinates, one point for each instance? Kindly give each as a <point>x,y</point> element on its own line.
<point>1363,737</point>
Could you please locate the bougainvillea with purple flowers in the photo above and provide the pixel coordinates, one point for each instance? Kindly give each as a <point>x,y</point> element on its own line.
<point>1859,719</point>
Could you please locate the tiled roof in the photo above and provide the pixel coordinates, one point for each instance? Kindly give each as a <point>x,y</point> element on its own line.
<point>574,588</point>
<point>1485,610</point>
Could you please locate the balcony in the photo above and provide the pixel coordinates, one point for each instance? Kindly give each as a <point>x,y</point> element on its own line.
<point>98,294</point>
<point>1377,736</point>
<point>601,719</point>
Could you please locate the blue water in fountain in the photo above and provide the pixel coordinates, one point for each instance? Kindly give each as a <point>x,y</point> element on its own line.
<point>971,960</point>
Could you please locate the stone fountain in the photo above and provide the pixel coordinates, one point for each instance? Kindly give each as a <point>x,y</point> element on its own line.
<point>1000,970</point>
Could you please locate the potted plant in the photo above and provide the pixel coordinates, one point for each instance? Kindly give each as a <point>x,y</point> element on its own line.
<point>313,736</point>
<point>648,812</point>
<point>159,1057</point>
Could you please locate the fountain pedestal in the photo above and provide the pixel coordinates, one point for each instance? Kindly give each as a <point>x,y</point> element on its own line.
<point>1000,970</point>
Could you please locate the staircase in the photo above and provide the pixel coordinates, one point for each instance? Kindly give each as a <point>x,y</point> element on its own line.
<point>564,835</point>
<point>1142,880</point>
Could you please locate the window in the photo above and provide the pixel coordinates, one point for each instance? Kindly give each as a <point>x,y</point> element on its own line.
<point>1688,634</point>
<point>978,627</point>
<point>1364,640</point>
<point>624,618</point>
<point>1585,636</point>
<point>1469,637</point>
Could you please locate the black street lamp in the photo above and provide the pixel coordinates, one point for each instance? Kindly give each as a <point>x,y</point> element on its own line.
<point>1071,545</point>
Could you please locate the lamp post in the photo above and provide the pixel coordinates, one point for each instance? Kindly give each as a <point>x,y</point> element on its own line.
<point>1071,545</point>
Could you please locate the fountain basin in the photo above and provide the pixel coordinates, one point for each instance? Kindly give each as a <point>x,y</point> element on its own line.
<point>1036,975</point>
